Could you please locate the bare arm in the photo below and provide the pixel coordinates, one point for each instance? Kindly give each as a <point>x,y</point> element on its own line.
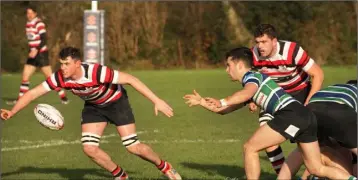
<point>242,96</point>
<point>196,99</point>
<point>159,104</point>
<point>29,96</point>
<point>125,78</point>
<point>237,98</point>
<point>317,77</point>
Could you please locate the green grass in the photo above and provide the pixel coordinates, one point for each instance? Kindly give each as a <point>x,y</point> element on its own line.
<point>200,144</point>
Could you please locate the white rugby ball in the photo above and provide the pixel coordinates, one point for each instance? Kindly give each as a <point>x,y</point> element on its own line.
<point>49,116</point>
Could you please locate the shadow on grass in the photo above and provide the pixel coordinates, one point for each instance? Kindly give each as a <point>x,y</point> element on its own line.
<point>63,172</point>
<point>228,171</point>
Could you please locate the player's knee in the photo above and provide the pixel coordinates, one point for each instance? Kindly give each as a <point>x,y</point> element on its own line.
<point>249,148</point>
<point>132,144</point>
<point>90,143</point>
<point>90,150</point>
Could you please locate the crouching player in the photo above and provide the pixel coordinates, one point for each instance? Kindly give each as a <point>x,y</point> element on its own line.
<point>291,119</point>
<point>105,101</point>
<point>335,108</point>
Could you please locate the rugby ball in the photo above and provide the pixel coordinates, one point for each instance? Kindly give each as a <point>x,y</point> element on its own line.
<point>49,116</point>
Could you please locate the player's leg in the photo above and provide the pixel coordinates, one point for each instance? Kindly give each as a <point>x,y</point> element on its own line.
<point>312,159</point>
<point>274,153</point>
<point>292,165</point>
<point>93,125</point>
<point>127,130</point>
<point>29,69</point>
<point>47,71</point>
<point>263,137</point>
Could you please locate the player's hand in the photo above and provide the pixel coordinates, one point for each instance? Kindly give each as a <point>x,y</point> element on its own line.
<point>6,114</point>
<point>33,53</point>
<point>193,99</point>
<point>163,107</point>
<point>252,107</point>
<point>213,102</point>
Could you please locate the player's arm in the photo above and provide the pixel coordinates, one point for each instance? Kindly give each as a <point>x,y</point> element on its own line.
<point>317,77</point>
<point>195,99</point>
<point>29,96</point>
<point>312,69</point>
<point>42,32</point>
<point>125,78</point>
<point>239,97</point>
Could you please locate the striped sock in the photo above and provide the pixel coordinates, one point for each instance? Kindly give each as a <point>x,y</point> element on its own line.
<point>119,172</point>
<point>276,158</point>
<point>24,87</point>
<point>163,166</point>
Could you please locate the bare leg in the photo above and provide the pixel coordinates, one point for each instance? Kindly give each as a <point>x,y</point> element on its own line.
<point>94,152</point>
<point>312,158</point>
<point>140,149</point>
<point>27,72</point>
<point>263,137</point>
<point>292,164</point>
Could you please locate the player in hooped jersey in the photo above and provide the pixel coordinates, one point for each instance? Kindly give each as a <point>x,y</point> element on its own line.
<point>38,54</point>
<point>105,101</point>
<point>291,68</point>
<point>335,108</point>
<point>291,119</point>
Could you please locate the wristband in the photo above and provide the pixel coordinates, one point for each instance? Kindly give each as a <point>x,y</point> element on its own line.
<point>223,103</point>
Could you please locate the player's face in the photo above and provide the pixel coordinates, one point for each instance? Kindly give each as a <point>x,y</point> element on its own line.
<point>231,69</point>
<point>69,67</point>
<point>266,45</point>
<point>30,14</point>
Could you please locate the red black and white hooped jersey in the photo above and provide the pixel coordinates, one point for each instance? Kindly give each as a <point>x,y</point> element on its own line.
<point>34,29</point>
<point>287,67</point>
<point>98,85</point>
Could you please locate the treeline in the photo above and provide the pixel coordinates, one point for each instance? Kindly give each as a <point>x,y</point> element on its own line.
<point>147,35</point>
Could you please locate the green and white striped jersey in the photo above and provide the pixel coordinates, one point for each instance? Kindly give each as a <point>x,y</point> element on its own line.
<point>338,93</point>
<point>270,97</point>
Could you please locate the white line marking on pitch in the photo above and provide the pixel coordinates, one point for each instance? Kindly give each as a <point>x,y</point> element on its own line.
<point>62,142</point>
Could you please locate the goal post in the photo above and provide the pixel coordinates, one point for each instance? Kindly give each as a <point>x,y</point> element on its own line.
<point>93,32</point>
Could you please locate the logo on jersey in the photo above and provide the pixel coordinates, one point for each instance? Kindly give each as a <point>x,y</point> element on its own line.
<point>30,36</point>
<point>261,98</point>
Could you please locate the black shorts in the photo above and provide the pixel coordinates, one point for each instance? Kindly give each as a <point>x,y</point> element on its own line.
<point>40,60</point>
<point>118,113</point>
<point>337,121</point>
<point>300,96</point>
<point>295,122</point>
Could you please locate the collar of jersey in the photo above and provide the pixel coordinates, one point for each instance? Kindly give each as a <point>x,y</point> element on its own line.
<point>34,20</point>
<point>277,53</point>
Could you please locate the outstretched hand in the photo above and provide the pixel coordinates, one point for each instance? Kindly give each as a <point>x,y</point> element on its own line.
<point>6,114</point>
<point>163,107</point>
<point>213,102</point>
<point>193,99</point>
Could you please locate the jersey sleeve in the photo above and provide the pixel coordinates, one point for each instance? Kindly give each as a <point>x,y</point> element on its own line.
<point>52,82</point>
<point>303,60</point>
<point>40,27</point>
<point>107,75</point>
<point>252,78</point>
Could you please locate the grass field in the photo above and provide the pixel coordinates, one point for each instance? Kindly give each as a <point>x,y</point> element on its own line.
<point>200,144</point>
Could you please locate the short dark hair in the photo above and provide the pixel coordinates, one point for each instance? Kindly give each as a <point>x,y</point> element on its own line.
<point>72,52</point>
<point>352,81</point>
<point>33,8</point>
<point>267,29</point>
<point>243,54</point>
